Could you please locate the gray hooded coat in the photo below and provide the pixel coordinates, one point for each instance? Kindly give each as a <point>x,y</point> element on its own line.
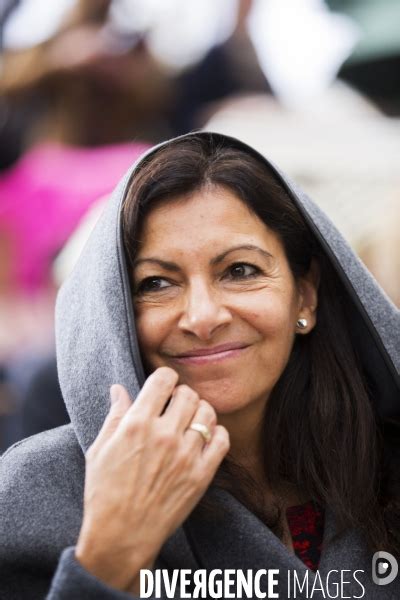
<point>42,477</point>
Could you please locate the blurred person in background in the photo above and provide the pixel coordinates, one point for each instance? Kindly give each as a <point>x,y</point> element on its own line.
<point>89,83</point>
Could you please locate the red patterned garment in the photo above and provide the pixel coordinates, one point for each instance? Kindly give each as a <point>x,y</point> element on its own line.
<point>306,524</point>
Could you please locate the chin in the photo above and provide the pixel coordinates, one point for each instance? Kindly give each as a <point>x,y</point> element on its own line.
<point>223,395</point>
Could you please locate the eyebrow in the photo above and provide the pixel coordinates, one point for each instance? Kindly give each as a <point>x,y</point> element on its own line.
<point>171,266</point>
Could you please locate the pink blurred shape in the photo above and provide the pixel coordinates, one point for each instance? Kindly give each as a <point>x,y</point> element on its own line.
<point>44,196</point>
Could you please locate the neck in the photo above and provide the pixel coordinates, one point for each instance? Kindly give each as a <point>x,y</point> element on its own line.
<point>245,432</point>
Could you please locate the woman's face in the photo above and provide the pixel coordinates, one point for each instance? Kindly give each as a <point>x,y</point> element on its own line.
<point>215,299</point>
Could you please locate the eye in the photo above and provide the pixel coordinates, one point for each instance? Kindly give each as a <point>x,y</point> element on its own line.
<point>152,284</point>
<point>243,271</point>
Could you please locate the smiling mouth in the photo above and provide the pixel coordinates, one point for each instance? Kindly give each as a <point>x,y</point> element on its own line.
<point>210,356</point>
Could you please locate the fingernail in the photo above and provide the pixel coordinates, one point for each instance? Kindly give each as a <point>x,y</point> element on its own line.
<point>114,394</point>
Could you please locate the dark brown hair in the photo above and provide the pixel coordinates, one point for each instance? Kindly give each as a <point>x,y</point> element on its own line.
<point>321,432</point>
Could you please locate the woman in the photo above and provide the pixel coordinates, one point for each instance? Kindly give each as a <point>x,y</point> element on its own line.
<point>262,359</point>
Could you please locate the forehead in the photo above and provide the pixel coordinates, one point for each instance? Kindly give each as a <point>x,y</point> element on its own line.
<point>205,219</point>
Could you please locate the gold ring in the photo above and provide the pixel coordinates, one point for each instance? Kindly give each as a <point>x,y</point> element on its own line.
<point>203,430</point>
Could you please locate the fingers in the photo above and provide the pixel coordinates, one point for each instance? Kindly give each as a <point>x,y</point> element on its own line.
<point>182,408</point>
<point>185,408</point>
<point>120,404</point>
<point>205,415</point>
<point>214,452</point>
<point>120,400</point>
<point>155,393</point>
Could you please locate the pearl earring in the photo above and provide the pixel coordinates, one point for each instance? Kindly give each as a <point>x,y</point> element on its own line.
<point>302,323</point>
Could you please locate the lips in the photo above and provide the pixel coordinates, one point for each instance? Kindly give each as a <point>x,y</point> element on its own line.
<point>207,356</point>
<point>214,350</point>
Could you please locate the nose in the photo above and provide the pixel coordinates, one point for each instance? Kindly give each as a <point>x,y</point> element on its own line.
<point>204,311</point>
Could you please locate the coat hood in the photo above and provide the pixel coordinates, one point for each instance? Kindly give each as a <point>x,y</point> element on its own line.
<point>95,327</point>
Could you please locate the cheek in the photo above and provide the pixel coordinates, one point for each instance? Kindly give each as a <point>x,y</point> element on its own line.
<point>273,315</point>
<point>152,326</point>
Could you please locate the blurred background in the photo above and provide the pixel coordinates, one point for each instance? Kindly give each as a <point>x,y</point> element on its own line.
<point>87,85</point>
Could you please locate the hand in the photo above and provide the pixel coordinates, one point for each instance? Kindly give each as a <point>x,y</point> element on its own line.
<point>145,472</point>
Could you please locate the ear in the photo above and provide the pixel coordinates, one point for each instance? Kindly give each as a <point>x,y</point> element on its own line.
<point>308,297</point>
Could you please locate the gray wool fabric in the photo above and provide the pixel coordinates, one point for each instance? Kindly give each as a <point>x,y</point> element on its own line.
<point>41,478</point>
